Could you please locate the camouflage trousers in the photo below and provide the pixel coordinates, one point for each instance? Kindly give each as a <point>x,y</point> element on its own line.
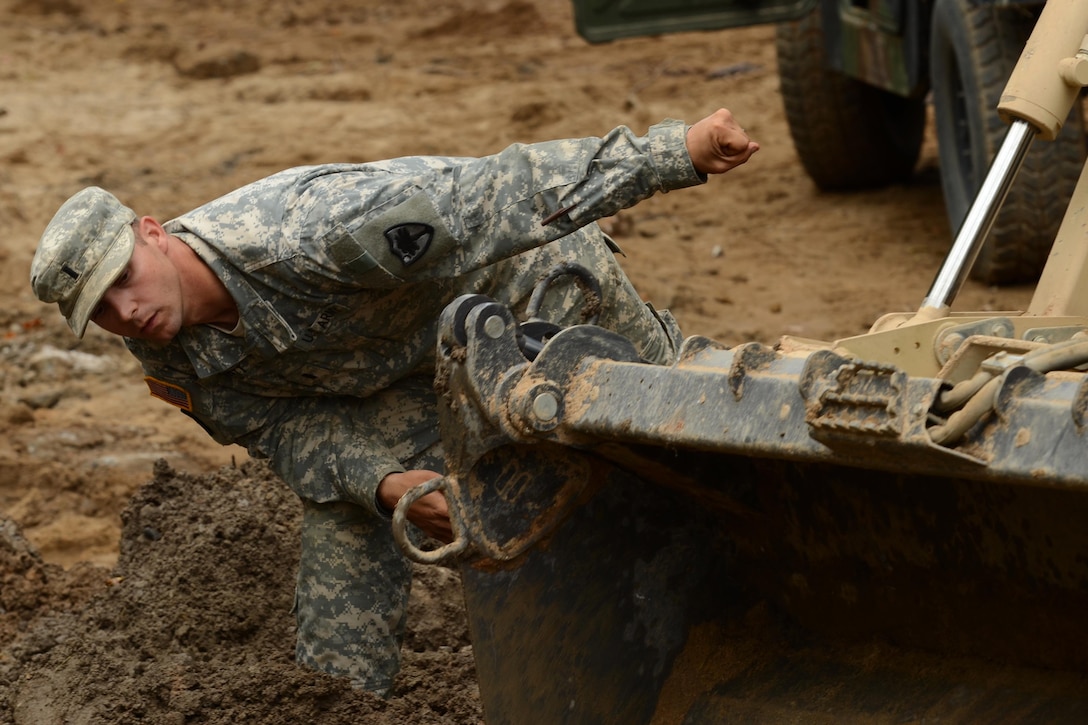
<point>353,581</point>
<point>351,598</point>
<point>352,595</point>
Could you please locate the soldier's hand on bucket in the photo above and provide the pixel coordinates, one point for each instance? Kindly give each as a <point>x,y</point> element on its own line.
<point>718,143</point>
<point>430,513</point>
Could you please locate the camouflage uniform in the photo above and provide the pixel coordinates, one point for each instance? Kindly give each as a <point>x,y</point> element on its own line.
<point>340,273</point>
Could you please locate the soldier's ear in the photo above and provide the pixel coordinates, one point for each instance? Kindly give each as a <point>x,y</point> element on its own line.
<point>149,231</point>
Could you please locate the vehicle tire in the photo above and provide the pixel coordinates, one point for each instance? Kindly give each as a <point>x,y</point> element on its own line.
<point>973,50</point>
<point>848,134</point>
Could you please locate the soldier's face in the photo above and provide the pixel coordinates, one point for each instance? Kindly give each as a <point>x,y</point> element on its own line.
<point>146,300</point>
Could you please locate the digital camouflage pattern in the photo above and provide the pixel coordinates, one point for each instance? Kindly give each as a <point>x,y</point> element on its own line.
<point>340,273</point>
<point>83,250</point>
<point>352,595</point>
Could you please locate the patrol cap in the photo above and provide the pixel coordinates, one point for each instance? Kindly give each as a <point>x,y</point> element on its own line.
<point>82,253</point>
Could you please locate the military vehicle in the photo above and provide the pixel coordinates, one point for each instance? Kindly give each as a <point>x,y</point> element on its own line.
<point>885,528</point>
<point>855,78</point>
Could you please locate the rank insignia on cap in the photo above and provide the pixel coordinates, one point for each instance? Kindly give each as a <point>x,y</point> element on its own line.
<point>172,394</point>
<point>409,241</point>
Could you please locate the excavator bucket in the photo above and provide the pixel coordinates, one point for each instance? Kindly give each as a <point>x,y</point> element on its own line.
<point>756,536</point>
<point>891,528</point>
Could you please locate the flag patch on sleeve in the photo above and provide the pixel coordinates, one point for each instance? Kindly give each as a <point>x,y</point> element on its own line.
<point>172,394</point>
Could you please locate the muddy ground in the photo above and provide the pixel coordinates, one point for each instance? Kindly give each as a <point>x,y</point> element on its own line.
<point>145,573</point>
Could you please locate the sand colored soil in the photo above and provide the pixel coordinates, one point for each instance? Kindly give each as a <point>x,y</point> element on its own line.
<point>146,573</point>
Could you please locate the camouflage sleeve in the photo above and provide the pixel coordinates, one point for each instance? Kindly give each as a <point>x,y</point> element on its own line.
<point>323,449</point>
<point>335,448</point>
<point>460,215</point>
<point>546,190</point>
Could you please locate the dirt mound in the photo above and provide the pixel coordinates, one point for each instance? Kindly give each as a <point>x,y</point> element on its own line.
<point>32,589</point>
<point>195,623</point>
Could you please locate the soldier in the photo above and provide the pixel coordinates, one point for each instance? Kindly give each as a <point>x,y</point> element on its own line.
<point>297,317</point>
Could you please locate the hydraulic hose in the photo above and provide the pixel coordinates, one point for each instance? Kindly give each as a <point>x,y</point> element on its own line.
<point>1063,356</point>
<point>962,391</point>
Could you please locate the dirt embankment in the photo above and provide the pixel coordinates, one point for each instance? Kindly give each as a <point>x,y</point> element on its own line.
<point>194,624</point>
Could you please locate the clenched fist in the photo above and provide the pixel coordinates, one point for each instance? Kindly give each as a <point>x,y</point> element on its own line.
<point>717,143</point>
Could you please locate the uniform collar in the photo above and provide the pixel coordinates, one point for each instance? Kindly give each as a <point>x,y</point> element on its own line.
<point>266,332</point>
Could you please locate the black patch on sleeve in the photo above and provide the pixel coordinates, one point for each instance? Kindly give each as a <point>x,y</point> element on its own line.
<point>409,241</point>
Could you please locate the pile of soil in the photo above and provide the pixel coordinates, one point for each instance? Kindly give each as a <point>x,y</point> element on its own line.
<point>194,623</point>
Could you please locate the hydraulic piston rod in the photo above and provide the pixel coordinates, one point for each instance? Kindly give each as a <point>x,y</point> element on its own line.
<point>980,218</point>
<point>1052,70</point>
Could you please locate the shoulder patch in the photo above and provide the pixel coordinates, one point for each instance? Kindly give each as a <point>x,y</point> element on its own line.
<point>172,394</point>
<point>409,241</point>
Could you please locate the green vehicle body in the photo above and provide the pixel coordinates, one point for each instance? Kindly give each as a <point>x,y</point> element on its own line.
<point>881,42</point>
